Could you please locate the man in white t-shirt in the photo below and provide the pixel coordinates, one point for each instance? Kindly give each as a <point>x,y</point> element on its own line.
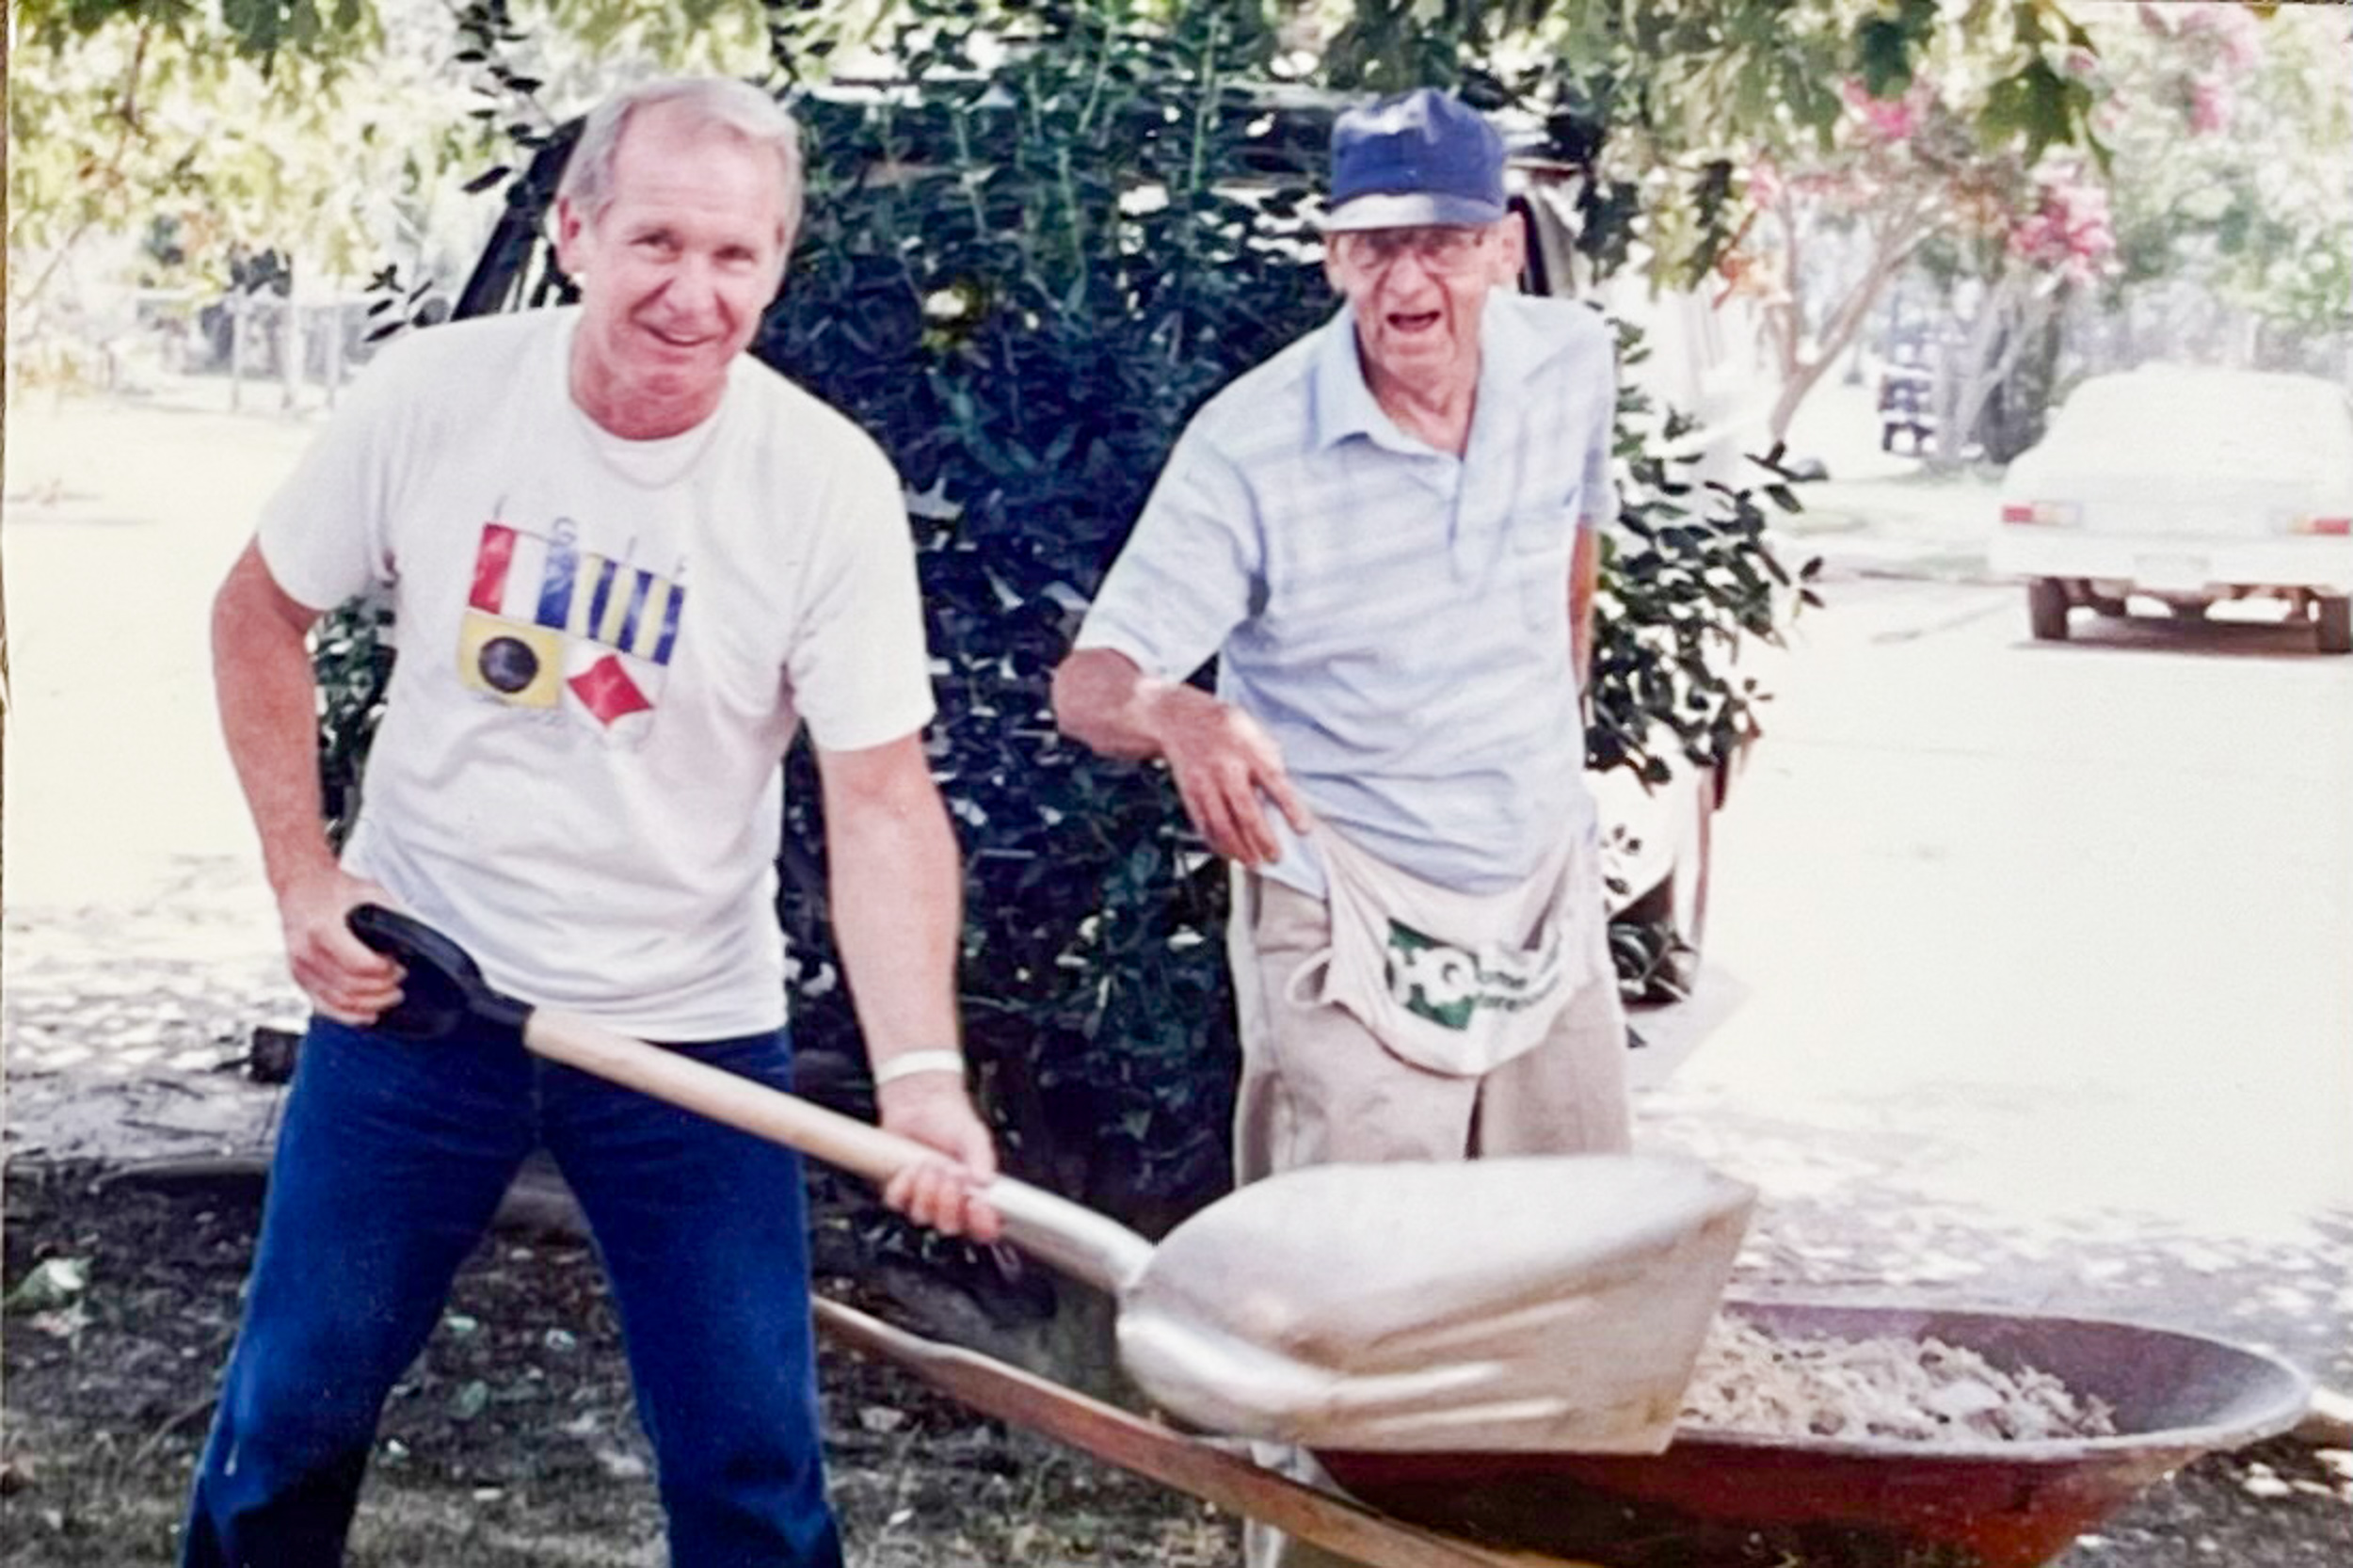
<point>626,563</point>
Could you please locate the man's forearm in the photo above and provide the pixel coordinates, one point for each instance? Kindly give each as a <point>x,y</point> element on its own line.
<point>1103,701</point>
<point>898,919</point>
<point>1584,581</point>
<point>268,701</point>
<point>897,898</point>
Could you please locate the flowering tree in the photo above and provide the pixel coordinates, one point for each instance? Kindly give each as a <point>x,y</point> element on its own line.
<point>2233,216</point>
<point>1885,187</point>
<point>2210,216</point>
<point>1957,153</point>
<point>2052,242</point>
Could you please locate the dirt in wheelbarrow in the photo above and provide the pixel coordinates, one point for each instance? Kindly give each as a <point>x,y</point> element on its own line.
<point>512,1441</point>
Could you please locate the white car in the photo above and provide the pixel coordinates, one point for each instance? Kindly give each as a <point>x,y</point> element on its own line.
<point>2187,487</point>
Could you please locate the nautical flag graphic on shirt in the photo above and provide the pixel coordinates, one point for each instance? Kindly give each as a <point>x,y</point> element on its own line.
<point>545,621</point>
<point>518,665</point>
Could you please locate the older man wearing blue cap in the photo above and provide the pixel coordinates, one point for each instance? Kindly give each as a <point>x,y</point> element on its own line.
<point>1385,536</point>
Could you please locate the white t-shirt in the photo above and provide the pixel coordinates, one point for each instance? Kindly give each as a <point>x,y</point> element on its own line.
<point>606,647</point>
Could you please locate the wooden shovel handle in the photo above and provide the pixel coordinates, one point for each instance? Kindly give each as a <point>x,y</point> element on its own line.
<point>1065,1236</point>
<point>858,1147</point>
<point>1158,1453</point>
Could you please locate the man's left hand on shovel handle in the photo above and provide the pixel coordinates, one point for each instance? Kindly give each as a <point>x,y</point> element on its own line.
<point>934,1110</point>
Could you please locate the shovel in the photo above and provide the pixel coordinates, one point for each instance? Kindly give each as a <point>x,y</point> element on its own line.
<point>1553,1302</point>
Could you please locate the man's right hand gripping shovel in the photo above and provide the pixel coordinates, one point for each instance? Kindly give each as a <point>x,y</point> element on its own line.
<point>345,978</point>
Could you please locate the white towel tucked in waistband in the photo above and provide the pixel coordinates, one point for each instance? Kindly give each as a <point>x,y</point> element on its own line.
<point>1455,982</point>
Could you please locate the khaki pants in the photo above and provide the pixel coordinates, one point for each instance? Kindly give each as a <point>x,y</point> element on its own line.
<point>1319,1089</point>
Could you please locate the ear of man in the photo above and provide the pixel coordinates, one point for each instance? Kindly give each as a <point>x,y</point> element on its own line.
<point>1511,247</point>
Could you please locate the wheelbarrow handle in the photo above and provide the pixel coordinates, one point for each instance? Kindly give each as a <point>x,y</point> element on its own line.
<point>1216,1475</point>
<point>1061,1234</point>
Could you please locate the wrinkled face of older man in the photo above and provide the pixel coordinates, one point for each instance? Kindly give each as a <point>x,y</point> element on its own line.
<point>1418,293</point>
<point>675,272</point>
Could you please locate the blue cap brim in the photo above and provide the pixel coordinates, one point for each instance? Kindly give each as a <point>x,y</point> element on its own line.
<point>1408,210</point>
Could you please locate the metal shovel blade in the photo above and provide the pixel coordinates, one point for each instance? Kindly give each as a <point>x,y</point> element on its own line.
<point>1554,1303</point>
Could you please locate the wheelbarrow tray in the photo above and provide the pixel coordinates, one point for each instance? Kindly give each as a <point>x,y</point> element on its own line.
<point>1724,1497</point>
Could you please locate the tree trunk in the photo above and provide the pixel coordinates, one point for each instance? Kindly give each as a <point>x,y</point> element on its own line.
<point>1800,374</point>
<point>2013,312</point>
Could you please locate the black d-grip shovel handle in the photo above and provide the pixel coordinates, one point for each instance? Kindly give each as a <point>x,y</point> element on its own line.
<point>443,987</point>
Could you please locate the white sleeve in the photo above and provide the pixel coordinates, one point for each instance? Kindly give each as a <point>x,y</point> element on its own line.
<point>859,672</point>
<point>325,535</point>
<point>1188,574</point>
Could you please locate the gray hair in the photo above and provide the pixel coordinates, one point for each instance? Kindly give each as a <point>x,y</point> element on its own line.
<point>707,103</point>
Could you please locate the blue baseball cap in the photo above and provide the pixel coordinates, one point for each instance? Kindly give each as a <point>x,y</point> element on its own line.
<point>1418,157</point>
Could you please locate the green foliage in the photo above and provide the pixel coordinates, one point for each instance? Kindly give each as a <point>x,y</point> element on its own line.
<point>974,289</point>
<point>265,26</point>
<point>1689,582</point>
<point>1885,45</point>
<point>1690,88</point>
<point>218,132</point>
<point>2038,107</point>
<point>256,28</point>
<point>352,658</point>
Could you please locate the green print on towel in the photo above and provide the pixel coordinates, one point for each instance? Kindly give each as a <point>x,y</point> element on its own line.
<point>1449,985</point>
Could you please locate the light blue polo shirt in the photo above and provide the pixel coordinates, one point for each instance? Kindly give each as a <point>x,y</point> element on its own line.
<point>1397,617</point>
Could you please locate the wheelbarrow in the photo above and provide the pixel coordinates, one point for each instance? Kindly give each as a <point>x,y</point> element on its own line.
<point>1713,1498</point>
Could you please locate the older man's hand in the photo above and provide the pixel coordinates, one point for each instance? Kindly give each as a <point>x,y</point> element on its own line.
<point>1227,768</point>
<point>933,1109</point>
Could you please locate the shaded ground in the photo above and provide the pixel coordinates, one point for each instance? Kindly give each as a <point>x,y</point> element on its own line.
<point>512,1442</point>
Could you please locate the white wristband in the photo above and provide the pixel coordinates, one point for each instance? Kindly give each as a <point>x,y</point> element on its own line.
<point>909,1063</point>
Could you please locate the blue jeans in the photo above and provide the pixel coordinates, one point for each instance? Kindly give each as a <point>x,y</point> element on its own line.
<point>391,1163</point>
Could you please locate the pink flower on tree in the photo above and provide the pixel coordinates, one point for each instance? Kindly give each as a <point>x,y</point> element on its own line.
<point>2069,229</point>
<point>1887,119</point>
<point>2233,29</point>
<point>2209,105</point>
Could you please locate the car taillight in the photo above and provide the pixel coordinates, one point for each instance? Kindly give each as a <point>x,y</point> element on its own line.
<point>2041,514</point>
<point>2310,522</point>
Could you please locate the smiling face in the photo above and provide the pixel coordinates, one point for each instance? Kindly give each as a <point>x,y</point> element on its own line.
<point>1419,294</point>
<point>674,272</point>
